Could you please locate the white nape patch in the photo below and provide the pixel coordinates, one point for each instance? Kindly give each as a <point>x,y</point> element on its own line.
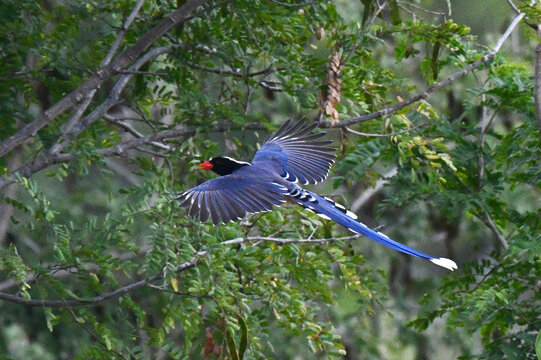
<point>446,263</point>
<point>351,215</point>
<point>237,161</point>
<point>324,216</point>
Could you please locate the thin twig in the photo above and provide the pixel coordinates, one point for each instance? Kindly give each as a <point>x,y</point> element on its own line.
<point>266,85</point>
<point>385,135</point>
<point>487,219</point>
<point>149,73</point>
<point>484,128</point>
<point>293,5</point>
<point>367,26</point>
<point>517,10</point>
<point>233,72</point>
<point>250,239</point>
<point>112,51</point>
<point>421,8</point>
<point>134,132</point>
<point>93,334</point>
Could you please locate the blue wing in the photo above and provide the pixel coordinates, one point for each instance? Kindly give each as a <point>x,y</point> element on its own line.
<point>299,155</point>
<point>230,197</point>
<point>327,209</point>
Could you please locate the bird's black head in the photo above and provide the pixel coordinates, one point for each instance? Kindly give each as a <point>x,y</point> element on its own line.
<point>222,165</point>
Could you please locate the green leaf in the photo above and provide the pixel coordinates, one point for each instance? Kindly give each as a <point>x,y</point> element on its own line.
<point>394,14</point>
<point>231,346</point>
<point>243,337</point>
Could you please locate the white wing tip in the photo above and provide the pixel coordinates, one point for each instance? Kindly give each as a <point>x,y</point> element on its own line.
<point>446,263</point>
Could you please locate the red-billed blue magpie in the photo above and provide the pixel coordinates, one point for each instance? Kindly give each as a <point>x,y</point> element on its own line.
<point>292,155</point>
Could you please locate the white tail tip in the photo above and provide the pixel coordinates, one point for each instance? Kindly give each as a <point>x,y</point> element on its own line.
<point>446,263</point>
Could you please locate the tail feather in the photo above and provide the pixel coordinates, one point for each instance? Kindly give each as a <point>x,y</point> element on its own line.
<point>328,209</point>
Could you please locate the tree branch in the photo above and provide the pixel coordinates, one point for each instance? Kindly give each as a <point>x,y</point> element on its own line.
<point>405,131</point>
<point>102,74</point>
<point>113,98</point>
<point>250,239</point>
<point>100,298</point>
<point>112,51</point>
<point>47,160</point>
<point>148,282</point>
<point>134,132</point>
<point>293,5</point>
<point>391,109</point>
<point>516,9</point>
<point>487,220</point>
<point>237,72</point>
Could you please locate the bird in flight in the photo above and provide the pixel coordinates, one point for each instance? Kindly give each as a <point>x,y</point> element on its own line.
<point>291,156</point>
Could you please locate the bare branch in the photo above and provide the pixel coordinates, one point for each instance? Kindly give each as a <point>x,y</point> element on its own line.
<point>149,73</point>
<point>484,125</point>
<point>134,132</point>
<point>121,62</point>
<point>487,220</point>
<point>516,10</point>
<point>250,239</point>
<point>270,85</point>
<point>513,6</point>
<point>112,51</point>
<point>391,109</point>
<point>415,6</point>
<point>233,72</point>
<point>385,135</point>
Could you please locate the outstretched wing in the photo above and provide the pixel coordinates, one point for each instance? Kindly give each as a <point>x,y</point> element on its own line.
<point>301,156</point>
<point>230,197</point>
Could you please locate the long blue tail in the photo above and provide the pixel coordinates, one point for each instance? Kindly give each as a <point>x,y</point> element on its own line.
<point>328,209</point>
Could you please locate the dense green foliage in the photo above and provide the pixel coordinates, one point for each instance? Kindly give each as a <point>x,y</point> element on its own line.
<point>463,182</point>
